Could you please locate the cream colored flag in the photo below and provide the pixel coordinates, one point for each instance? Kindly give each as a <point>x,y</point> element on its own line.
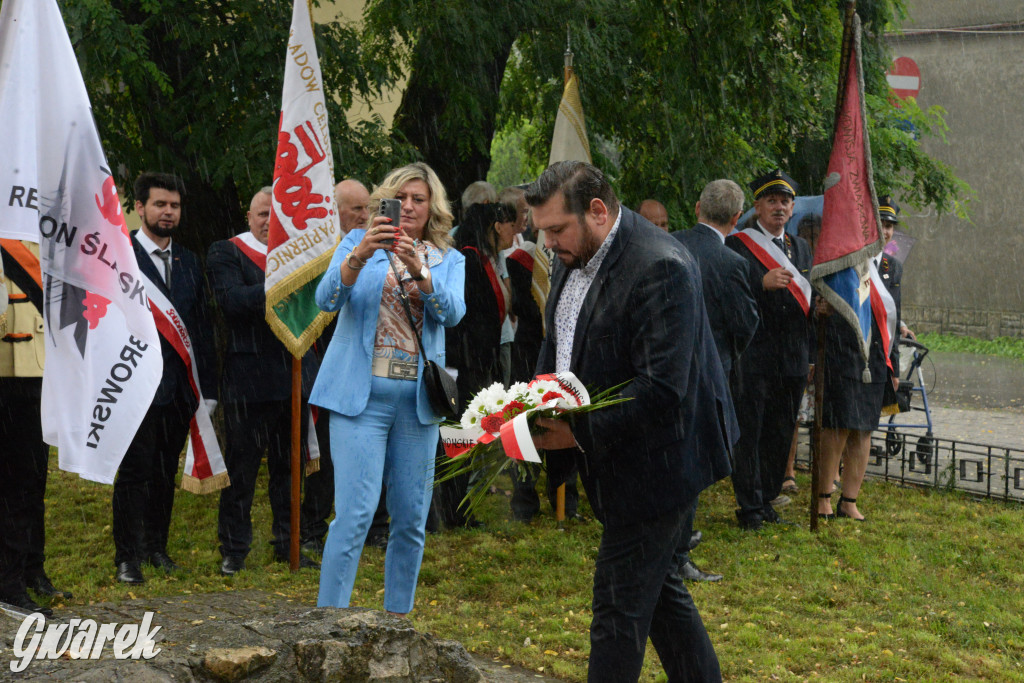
<point>569,143</point>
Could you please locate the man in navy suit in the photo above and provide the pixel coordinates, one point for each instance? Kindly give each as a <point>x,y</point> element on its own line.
<point>144,487</point>
<point>256,390</point>
<point>732,310</point>
<point>626,306</point>
<point>774,369</point>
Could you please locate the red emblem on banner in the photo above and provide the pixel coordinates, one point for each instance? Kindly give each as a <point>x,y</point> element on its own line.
<point>291,186</point>
<point>95,308</point>
<point>110,205</point>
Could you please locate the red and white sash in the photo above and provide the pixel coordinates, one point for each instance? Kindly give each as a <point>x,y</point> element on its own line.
<point>771,257</point>
<point>883,308</point>
<point>252,247</point>
<point>205,471</point>
<point>256,252</point>
<point>499,294</point>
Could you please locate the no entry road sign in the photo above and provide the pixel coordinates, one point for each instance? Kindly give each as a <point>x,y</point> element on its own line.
<point>904,77</point>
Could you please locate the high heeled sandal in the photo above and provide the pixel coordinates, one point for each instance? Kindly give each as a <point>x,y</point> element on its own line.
<point>839,509</point>
<point>826,515</point>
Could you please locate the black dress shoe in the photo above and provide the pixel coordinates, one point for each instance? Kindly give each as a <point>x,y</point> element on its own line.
<point>751,524</point>
<point>130,572</point>
<point>314,546</point>
<point>232,564</point>
<point>695,539</point>
<point>23,603</point>
<point>691,572</point>
<point>161,560</point>
<point>305,561</point>
<point>41,584</point>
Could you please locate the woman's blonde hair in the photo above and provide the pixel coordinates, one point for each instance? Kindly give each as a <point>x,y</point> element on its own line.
<point>439,224</point>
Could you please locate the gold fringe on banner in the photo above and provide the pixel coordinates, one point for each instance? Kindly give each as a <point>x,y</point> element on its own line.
<point>204,486</point>
<point>312,466</point>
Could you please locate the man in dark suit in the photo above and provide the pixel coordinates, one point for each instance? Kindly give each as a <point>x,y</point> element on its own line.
<point>891,269</point>
<point>626,306</point>
<point>256,390</point>
<point>144,487</point>
<point>772,372</point>
<point>731,308</point>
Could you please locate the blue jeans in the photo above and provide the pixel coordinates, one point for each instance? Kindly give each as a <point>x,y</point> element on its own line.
<point>385,443</point>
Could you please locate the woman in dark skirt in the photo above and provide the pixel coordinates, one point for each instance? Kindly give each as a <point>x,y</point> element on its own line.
<point>850,409</point>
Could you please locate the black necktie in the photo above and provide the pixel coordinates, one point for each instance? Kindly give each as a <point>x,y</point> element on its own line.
<point>165,256</point>
<point>780,244</point>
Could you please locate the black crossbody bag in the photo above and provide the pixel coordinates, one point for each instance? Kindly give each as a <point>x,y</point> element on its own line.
<point>441,388</point>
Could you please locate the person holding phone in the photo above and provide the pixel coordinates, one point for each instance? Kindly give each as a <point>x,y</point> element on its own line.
<point>383,429</point>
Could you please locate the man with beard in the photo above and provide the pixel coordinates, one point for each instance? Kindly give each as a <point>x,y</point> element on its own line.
<point>773,370</point>
<point>626,307</point>
<point>256,390</point>
<point>144,487</point>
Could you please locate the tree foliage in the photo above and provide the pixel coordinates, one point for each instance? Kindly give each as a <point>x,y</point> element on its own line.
<point>675,93</point>
<point>194,87</point>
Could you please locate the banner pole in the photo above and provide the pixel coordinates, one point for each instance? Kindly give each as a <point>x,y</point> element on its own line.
<point>560,491</point>
<point>293,549</point>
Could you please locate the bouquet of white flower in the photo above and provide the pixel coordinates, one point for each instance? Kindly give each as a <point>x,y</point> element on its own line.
<point>495,430</point>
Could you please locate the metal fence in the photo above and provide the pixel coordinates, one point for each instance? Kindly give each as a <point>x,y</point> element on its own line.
<point>913,458</point>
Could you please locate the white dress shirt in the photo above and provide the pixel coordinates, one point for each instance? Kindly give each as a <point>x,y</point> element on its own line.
<point>570,302</point>
<point>154,254</point>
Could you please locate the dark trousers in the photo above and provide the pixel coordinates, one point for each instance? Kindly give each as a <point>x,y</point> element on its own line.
<point>318,498</point>
<point>23,461</point>
<point>638,593</point>
<point>445,506</point>
<point>144,487</point>
<point>766,409</point>
<point>525,501</point>
<point>250,429</point>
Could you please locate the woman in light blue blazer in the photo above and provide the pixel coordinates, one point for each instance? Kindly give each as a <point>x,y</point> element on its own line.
<point>382,427</point>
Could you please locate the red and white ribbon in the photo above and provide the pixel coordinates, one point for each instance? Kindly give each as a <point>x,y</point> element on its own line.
<point>515,433</point>
<point>883,308</point>
<point>205,470</point>
<point>772,257</point>
<point>255,250</point>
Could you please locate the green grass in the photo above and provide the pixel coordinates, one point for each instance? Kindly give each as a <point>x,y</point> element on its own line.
<point>1006,347</point>
<point>929,589</point>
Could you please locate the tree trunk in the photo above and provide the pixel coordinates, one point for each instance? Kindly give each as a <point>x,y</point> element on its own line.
<point>455,142</point>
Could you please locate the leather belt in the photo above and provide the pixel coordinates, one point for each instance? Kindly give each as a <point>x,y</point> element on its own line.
<point>394,369</point>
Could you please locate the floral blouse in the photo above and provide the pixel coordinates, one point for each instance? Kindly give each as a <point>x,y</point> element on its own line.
<point>395,339</point>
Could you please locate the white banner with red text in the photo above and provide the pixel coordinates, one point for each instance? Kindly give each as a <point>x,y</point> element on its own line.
<point>103,361</point>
